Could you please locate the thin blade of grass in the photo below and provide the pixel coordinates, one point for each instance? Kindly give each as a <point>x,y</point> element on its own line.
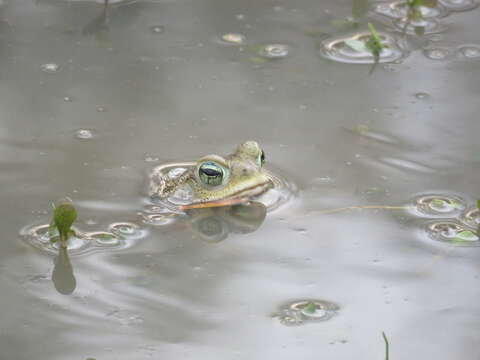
<point>387,346</point>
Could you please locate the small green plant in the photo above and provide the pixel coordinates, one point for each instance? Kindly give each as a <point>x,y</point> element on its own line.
<point>387,346</point>
<point>414,13</point>
<point>64,215</point>
<point>373,45</point>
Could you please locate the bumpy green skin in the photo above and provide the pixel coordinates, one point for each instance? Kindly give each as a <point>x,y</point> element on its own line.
<point>245,176</point>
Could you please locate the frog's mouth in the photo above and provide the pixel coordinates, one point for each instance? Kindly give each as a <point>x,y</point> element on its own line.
<point>239,197</point>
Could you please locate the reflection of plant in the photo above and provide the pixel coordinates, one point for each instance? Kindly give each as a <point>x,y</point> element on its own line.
<point>64,215</point>
<point>414,13</point>
<point>372,45</point>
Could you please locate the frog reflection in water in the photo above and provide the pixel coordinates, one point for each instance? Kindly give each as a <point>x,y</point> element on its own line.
<point>215,224</point>
<point>215,181</point>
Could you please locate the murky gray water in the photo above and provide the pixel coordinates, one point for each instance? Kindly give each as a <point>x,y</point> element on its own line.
<point>91,102</point>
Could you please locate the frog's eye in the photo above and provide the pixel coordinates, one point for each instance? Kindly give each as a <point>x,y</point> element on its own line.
<point>211,173</point>
<point>261,158</point>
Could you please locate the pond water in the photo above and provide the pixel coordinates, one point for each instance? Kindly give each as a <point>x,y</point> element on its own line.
<point>378,232</point>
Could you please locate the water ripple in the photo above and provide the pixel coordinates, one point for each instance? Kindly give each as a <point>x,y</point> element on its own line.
<point>399,10</point>
<point>336,49</point>
<point>120,236</point>
<point>453,232</point>
<point>459,5</point>
<point>273,51</point>
<point>435,205</point>
<point>471,218</point>
<point>428,26</point>
<point>301,311</point>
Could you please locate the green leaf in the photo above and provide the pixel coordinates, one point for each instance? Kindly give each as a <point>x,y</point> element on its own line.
<point>310,308</point>
<point>456,204</point>
<point>374,33</point>
<point>356,45</point>
<point>438,203</point>
<point>478,204</point>
<point>64,216</point>
<point>53,231</point>
<point>465,236</point>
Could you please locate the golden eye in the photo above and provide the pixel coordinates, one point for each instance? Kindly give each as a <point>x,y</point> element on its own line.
<point>211,173</point>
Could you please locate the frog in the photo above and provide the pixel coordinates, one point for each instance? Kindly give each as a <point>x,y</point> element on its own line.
<point>215,180</point>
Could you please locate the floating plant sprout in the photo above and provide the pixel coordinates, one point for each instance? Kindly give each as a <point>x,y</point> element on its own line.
<point>373,45</point>
<point>299,312</point>
<point>64,215</point>
<point>415,14</point>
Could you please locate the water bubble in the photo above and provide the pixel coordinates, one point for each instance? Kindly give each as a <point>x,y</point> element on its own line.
<point>151,158</point>
<point>453,232</point>
<point>67,99</point>
<point>157,29</point>
<point>438,53</point>
<point>84,134</point>
<point>337,49</point>
<point>240,17</point>
<point>126,230</point>
<point>470,52</point>
<point>299,312</point>
<point>439,205</point>
<point>273,51</point>
<point>50,67</point>
<point>232,39</point>
<point>422,96</point>
<point>459,5</point>
<point>100,109</point>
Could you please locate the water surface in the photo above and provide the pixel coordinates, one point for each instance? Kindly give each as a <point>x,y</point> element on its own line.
<point>91,103</point>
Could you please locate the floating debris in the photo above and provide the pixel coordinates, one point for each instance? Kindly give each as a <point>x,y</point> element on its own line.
<point>302,311</point>
<point>232,39</point>
<point>453,232</point>
<point>84,134</point>
<point>439,205</point>
<point>50,67</point>
<point>352,49</point>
